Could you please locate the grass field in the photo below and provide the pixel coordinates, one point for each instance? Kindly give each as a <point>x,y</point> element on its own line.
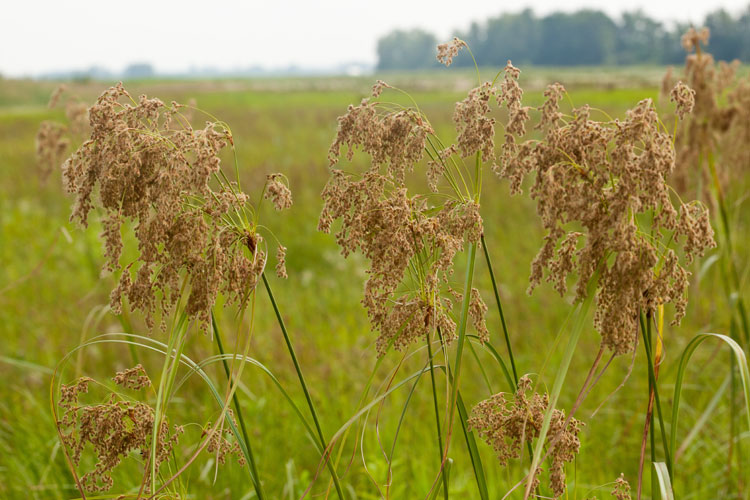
<point>52,297</point>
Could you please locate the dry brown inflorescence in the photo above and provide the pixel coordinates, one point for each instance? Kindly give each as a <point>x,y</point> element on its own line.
<point>403,235</point>
<point>54,138</point>
<point>718,129</point>
<point>507,422</point>
<point>144,163</point>
<point>602,195</point>
<point>114,429</point>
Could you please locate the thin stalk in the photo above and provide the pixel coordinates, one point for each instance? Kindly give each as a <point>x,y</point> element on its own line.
<point>437,418</point>
<point>461,341</point>
<point>301,377</point>
<point>251,459</point>
<point>648,430</point>
<point>500,310</point>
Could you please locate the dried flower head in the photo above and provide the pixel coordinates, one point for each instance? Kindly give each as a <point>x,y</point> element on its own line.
<point>608,179</point>
<point>684,98</point>
<point>692,39</point>
<point>507,422</point>
<point>281,262</point>
<point>146,164</point>
<point>54,138</point>
<point>403,236</point>
<point>278,192</point>
<point>133,378</point>
<point>113,429</point>
<point>221,444</point>
<point>51,145</point>
<point>718,128</point>
<point>447,51</point>
<point>621,490</point>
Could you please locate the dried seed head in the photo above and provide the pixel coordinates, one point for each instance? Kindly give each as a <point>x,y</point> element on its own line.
<point>114,429</point>
<point>377,89</point>
<point>476,130</point>
<point>133,378</point>
<point>692,39</point>
<point>51,146</point>
<point>447,51</point>
<point>145,164</point>
<point>601,176</point>
<point>401,234</point>
<point>684,98</point>
<point>621,490</point>
<point>281,262</point>
<point>508,422</point>
<point>278,192</point>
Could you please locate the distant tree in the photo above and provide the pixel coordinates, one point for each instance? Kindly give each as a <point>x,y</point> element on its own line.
<point>508,36</point>
<point>638,39</point>
<point>726,35</point>
<point>586,37</point>
<point>407,50</point>
<point>138,70</point>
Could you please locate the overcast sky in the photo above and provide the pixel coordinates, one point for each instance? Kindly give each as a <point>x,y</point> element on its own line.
<point>38,36</point>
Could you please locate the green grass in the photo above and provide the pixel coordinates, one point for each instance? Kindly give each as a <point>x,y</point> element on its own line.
<point>49,283</point>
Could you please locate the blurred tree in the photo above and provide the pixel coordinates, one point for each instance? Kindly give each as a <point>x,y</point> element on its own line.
<point>638,39</point>
<point>586,37</point>
<point>407,50</point>
<point>138,70</point>
<point>726,35</point>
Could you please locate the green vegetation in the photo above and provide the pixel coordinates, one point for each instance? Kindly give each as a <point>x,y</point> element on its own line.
<point>53,298</point>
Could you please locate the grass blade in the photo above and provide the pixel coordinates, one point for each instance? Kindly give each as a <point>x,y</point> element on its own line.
<point>665,485</point>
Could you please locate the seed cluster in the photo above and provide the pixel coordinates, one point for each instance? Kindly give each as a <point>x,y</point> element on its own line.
<point>607,179</point>
<point>219,443</point>
<point>113,429</point>
<point>507,422</point>
<point>719,126</point>
<point>54,138</point>
<point>146,164</point>
<point>401,234</point>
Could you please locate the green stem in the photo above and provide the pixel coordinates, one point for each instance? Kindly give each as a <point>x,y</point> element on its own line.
<point>437,418</point>
<point>310,404</point>
<point>500,310</point>
<point>652,384</point>
<point>461,334</point>
<point>253,470</point>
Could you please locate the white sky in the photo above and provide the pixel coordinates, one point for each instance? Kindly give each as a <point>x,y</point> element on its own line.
<point>38,36</point>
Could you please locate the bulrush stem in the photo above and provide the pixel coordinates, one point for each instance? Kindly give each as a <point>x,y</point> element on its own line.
<point>437,419</point>
<point>253,470</point>
<point>461,340</point>
<point>653,397</point>
<point>301,377</point>
<point>500,310</point>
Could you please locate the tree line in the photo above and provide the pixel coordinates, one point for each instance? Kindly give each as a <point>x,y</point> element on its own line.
<point>585,37</point>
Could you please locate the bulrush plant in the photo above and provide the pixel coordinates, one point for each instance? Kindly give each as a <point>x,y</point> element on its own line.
<point>198,236</point>
<point>611,219</point>
<point>614,228</point>
<point>713,157</point>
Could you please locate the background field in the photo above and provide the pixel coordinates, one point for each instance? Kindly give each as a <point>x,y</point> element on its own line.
<point>51,294</point>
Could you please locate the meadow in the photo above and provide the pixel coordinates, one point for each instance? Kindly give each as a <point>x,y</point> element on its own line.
<point>53,297</point>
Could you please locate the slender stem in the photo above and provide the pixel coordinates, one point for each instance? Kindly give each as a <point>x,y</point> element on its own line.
<point>301,377</point>
<point>500,310</point>
<point>437,419</point>
<point>253,470</point>
<point>461,339</point>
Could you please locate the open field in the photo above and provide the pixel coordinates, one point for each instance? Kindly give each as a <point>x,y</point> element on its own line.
<point>52,296</point>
